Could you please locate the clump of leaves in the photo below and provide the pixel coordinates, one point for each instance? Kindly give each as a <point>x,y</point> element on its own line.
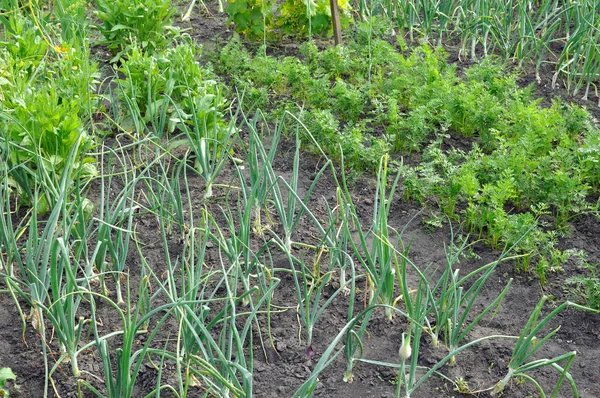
<point>253,18</point>
<point>41,130</point>
<point>260,18</point>
<point>169,85</point>
<point>22,48</point>
<point>349,101</point>
<point>324,127</point>
<point>233,58</point>
<point>6,374</point>
<point>48,99</point>
<point>23,40</point>
<point>297,17</point>
<point>146,22</point>
<point>518,162</point>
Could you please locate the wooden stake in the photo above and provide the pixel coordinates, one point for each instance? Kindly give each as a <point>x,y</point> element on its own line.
<point>335,18</point>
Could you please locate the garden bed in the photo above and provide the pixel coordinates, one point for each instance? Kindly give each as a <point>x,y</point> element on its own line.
<point>165,229</point>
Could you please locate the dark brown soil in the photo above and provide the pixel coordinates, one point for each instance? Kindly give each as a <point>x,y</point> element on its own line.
<point>286,365</point>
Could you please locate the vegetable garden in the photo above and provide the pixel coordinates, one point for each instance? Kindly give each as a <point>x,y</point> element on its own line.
<point>213,199</point>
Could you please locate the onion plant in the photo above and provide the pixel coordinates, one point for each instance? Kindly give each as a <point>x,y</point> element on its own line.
<point>210,142</point>
<point>520,29</point>
<point>163,196</point>
<point>579,61</point>
<point>264,186</point>
<point>235,240</point>
<point>350,221</point>
<point>120,373</point>
<point>70,256</point>
<point>62,311</point>
<point>336,241</point>
<point>376,249</point>
<point>210,341</point>
<point>257,158</point>
<point>42,264</point>
<point>230,366</point>
<point>456,307</point>
<point>286,205</point>
<point>236,244</point>
<point>117,211</point>
<point>115,218</point>
<point>414,374</point>
<point>445,12</point>
<point>411,375</point>
<point>10,232</point>
<point>528,343</point>
<point>310,290</point>
<point>195,295</point>
<point>310,281</point>
<point>188,13</point>
<point>449,305</point>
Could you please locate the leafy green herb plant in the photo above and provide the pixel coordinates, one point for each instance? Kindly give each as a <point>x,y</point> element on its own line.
<point>125,22</point>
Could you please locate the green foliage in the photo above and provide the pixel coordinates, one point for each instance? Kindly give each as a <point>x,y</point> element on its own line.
<point>587,285</point>
<point>336,62</point>
<point>521,171</point>
<point>251,17</point>
<point>233,58</point>
<point>40,131</point>
<point>529,162</point>
<point>22,48</point>
<point>260,18</point>
<point>300,17</point>
<point>47,124</point>
<point>146,22</point>
<point>170,85</point>
<point>48,99</point>
<point>6,374</point>
<point>516,30</point>
<point>23,39</point>
<point>27,59</point>
<point>518,161</point>
<point>349,101</point>
<point>370,29</point>
<point>71,15</point>
<point>323,125</point>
